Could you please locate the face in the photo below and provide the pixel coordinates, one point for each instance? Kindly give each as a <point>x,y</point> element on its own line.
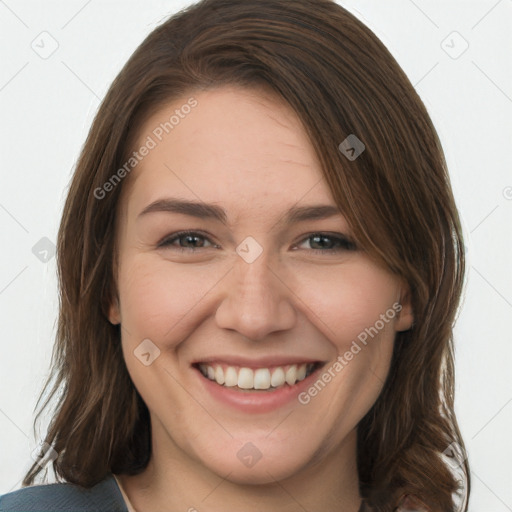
<point>262,335</point>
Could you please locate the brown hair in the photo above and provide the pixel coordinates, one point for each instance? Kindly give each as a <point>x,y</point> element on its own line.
<point>340,80</point>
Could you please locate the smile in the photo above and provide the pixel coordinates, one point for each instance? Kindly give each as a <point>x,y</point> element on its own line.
<point>263,379</point>
<point>258,385</point>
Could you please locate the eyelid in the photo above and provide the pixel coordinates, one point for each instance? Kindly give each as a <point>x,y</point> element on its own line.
<point>166,240</point>
<point>347,242</point>
<point>336,236</point>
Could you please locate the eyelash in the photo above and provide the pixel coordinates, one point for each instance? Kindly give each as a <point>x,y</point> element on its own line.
<point>345,243</point>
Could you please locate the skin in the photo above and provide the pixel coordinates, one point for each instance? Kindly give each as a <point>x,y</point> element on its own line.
<point>246,151</point>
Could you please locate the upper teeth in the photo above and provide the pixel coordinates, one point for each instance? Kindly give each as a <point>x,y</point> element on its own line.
<point>261,378</point>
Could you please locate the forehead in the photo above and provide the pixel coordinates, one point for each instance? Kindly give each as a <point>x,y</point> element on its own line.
<point>242,146</point>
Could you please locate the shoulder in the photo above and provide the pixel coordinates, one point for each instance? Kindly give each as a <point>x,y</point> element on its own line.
<point>65,497</point>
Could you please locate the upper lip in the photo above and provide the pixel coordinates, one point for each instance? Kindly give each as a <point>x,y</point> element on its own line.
<point>260,362</point>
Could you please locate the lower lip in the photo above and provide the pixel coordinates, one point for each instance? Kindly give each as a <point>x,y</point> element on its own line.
<point>256,401</point>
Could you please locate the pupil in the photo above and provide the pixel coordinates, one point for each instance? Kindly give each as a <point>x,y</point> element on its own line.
<point>191,238</point>
<point>320,240</point>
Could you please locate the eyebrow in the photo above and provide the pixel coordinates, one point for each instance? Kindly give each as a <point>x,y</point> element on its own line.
<point>202,210</point>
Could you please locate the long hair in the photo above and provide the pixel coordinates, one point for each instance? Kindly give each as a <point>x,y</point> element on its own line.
<point>340,80</point>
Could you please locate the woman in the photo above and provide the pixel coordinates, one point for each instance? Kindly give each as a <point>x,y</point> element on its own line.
<point>260,262</point>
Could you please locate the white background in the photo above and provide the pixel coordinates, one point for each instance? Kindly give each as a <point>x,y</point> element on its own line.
<point>47,106</point>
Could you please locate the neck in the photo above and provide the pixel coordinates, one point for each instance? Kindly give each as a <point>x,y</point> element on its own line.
<point>174,481</point>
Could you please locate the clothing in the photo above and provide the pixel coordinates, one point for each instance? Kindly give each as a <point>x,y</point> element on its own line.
<point>106,496</point>
<point>129,506</point>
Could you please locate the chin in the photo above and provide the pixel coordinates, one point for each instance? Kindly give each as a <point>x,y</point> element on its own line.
<point>258,463</point>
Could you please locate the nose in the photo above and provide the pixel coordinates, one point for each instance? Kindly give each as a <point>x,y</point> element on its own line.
<point>256,300</point>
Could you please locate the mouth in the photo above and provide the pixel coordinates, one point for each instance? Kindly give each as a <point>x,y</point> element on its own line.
<point>262,379</point>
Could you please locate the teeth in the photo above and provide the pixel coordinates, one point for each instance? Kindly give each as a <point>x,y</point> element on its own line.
<point>278,378</point>
<point>231,377</point>
<point>261,378</point>
<point>245,378</point>
<point>291,375</point>
<point>219,375</point>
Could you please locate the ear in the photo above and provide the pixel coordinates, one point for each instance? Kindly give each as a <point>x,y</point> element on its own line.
<point>405,316</point>
<point>114,315</point>
<point>112,302</point>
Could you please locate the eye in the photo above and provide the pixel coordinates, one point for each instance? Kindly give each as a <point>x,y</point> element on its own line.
<point>191,241</point>
<point>326,242</point>
<point>187,241</point>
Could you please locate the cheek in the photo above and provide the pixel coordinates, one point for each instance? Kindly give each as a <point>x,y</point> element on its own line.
<point>160,298</point>
<point>349,302</point>
<point>157,297</point>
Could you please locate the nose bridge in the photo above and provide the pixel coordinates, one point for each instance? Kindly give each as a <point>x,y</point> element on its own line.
<point>256,282</point>
<point>256,302</point>
<point>256,287</point>
<point>256,265</point>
